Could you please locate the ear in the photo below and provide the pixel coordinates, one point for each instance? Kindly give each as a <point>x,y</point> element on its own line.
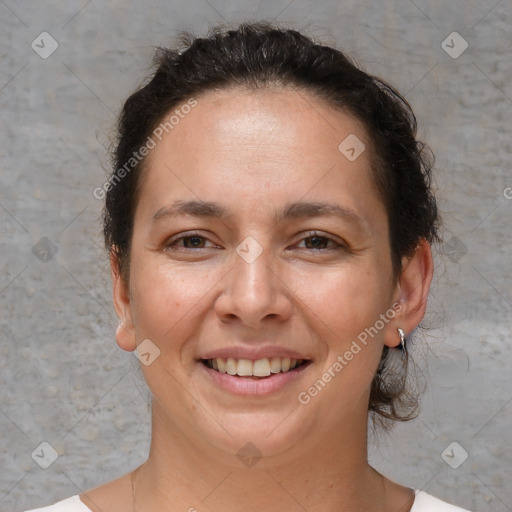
<point>411,292</point>
<point>125,333</point>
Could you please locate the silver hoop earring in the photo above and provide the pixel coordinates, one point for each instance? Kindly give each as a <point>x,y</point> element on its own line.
<point>402,342</point>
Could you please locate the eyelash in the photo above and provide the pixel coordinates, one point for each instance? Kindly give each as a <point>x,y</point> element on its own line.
<point>310,234</point>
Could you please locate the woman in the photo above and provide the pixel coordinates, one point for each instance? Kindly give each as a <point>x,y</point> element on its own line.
<point>269,222</point>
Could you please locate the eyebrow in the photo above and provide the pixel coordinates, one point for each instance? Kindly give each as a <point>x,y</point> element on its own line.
<point>290,211</point>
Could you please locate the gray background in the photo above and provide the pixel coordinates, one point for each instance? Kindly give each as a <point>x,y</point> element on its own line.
<point>64,381</point>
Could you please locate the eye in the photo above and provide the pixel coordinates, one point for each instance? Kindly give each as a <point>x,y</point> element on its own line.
<point>190,241</point>
<point>318,242</point>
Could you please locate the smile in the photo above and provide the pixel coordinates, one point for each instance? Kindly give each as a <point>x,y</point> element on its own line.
<point>260,368</point>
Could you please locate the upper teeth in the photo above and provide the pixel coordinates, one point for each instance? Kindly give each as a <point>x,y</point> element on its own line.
<point>248,368</point>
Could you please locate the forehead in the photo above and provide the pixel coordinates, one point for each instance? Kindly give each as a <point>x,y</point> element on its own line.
<point>264,121</point>
<point>245,145</point>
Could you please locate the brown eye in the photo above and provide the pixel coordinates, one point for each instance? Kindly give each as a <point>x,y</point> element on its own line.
<point>193,242</point>
<point>188,241</point>
<point>317,242</point>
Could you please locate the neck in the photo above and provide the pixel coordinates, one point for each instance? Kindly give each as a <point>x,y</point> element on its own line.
<point>328,472</point>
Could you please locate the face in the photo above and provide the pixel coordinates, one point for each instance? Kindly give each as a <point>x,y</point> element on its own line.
<point>264,272</point>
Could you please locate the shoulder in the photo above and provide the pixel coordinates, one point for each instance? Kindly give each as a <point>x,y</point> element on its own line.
<point>72,504</point>
<point>426,503</point>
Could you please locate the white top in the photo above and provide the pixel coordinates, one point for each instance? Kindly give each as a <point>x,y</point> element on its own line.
<point>422,503</point>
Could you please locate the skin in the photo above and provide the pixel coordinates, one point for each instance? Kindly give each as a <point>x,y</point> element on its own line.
<point>254,152</point>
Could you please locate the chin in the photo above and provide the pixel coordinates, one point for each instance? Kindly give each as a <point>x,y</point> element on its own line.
<point>256,436</point>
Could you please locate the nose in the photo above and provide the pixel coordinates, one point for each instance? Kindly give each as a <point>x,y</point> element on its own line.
<point>255,292</point>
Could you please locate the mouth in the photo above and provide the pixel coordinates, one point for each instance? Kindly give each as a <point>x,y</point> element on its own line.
<point>255,369</point>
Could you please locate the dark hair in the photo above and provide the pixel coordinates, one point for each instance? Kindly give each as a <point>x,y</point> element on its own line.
<point>261,55</point>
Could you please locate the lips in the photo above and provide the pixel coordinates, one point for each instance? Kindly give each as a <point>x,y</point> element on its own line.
<point>254,362</point>
<point>250,385</point>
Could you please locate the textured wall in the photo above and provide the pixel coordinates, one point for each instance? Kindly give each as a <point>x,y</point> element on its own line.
<point>64,381</point>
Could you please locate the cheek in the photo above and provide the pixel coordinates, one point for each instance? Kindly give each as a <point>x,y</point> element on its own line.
<point>164,298</point>
<point>346,305</point>
<point>345,308</point>
<point>346,301</point>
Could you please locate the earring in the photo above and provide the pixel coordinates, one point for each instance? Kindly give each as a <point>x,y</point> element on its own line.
<point>402,342</point>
